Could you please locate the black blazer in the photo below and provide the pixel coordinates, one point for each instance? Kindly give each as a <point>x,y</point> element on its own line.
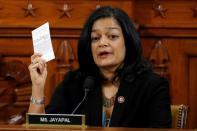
<point>146,101</point>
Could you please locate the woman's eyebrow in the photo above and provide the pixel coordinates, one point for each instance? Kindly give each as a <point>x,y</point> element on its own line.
<point>108,28</point>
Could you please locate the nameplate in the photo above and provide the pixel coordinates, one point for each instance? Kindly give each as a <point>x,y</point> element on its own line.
<point>55,119</point>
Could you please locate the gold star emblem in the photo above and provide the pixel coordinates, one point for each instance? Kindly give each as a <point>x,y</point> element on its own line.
<point>65,11</point>
<point>160,10</point>
<point>29,10</point>
<point>194,11</point>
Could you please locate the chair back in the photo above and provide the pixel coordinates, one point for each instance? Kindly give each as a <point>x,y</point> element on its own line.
<point>179,116</point>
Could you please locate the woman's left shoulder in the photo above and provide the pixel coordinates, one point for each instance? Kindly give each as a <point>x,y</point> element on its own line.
<point>153,79</point>
<point>153,84</point>
<point>151,75</point>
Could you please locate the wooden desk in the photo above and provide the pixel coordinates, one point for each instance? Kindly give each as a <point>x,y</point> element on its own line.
<point>41,128</point>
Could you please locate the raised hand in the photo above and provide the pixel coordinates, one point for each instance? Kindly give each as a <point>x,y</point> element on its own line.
<point>38,73</point>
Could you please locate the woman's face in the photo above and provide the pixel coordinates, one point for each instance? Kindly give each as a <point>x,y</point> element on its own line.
<point>107,43</point>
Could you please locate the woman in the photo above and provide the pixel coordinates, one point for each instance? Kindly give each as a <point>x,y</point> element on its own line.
<point>121,90</point>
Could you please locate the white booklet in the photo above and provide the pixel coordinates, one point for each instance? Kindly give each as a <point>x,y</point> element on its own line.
<point>42,42</point>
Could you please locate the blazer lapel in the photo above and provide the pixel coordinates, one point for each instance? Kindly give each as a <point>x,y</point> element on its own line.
<point>94,107</point>
<point>122,98</point>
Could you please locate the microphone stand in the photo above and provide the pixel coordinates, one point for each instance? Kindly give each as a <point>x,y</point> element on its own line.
<point>85,95</point>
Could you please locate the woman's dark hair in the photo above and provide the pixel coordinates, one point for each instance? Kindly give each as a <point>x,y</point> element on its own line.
<point>131,37</point>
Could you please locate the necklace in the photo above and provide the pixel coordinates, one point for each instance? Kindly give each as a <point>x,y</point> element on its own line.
<point>108,102</point>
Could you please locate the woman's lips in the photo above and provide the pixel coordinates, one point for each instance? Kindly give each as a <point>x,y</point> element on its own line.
<point>104,54</point>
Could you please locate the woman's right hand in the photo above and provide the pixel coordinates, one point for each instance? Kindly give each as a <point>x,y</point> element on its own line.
<point>38,74</point>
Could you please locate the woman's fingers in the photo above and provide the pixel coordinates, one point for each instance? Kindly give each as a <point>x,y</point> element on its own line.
<point>36,58</point>
<point>37,65</point>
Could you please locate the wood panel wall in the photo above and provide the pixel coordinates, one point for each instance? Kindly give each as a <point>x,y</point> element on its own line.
<point>169,36</point>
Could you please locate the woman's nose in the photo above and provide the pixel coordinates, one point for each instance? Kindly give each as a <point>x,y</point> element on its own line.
<point>103,42</point>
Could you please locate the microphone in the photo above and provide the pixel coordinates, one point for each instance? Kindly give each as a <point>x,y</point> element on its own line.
<point>88,85</point>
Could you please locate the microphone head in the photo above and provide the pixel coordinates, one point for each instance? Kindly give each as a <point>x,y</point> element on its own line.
<point>88,83</point>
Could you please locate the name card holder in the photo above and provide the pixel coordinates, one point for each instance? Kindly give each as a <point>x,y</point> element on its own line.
<point>55,120</point>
